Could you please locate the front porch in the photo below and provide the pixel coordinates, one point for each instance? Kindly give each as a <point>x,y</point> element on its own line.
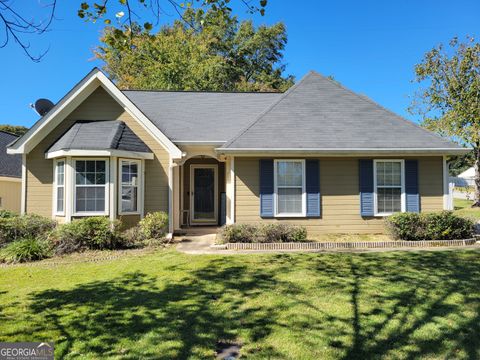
<point>201,187</point>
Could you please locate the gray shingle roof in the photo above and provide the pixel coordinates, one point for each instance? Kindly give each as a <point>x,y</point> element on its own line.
<point>200,116</point>
<point>10,165</point>
<point>99,135</point>
<point>318,113</point>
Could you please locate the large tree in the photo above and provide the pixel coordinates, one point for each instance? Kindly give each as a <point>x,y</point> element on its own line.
<point>207,51</point>
<point>14,129</point>
<point>450,99</point>
<point>18,23</point>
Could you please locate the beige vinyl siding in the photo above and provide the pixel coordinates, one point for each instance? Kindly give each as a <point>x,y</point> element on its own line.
<point>98,106</point>
<point>340,200</point>
<point>10,194</point>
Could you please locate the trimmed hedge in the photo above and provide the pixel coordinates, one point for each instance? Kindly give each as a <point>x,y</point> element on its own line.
<point>25,226</point>
<point>276,232</point>
<point>94,233</point>
<point>443,225</point>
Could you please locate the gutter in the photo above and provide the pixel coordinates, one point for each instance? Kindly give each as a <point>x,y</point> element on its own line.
<point>343,151</point>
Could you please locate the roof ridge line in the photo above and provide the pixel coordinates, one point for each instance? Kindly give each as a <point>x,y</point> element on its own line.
<point>373,102</point>
<point>203,91</point>
<point>268,109</point>
<point>117,134</point>
<point>10,133</point>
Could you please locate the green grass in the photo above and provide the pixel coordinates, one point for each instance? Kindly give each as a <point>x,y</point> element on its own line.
<point>464,208</point>
<point>164,305</point>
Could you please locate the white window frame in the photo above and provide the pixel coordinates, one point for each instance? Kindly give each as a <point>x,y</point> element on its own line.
<point>56,186</point>
<point>107,186</point>
<point>139,186</point>
<point>275,189</point>
<point>375,188</point>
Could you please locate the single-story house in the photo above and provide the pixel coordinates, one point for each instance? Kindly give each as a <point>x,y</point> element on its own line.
<point>466,178</point>
<point>318,155</point>
<point>10,175</point>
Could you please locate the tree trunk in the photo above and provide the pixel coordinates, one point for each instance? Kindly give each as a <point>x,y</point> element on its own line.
<point>476,200</point>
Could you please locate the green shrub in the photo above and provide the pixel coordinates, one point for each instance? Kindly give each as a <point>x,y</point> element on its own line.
<point>154,226</point>
<point>240,233</point>
<point>7,214</point>
<point>25,226</point>
<point>95,233</point>
<point>444,225</point>
<point>276,232</point>
<point>280,232</point>
<point>132,237</point>
<point>24,250</point>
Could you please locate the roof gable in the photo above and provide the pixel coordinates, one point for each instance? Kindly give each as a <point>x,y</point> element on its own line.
<point>318,113</point>
<point>72,100</point>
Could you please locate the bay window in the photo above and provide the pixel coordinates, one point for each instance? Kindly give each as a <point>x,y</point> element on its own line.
<point>289,188</point>
<point>389,186</point>
<point>59,185</point>
<point>91,187</point>
<point>129,186</point>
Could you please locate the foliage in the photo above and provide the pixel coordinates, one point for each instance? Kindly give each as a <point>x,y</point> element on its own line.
<point>7,214</point>
<point>14,129</point>
<point>275,232</point>
<point>461,163</point>
<point>154,225</point>
<point>240,233</point>
<point>280,232</point>
<point>25,226</point>
<point>450,101</point>
<point>95,233</point>
<point>443,225</point>
<point>219,53</point>
<point>29,249</point>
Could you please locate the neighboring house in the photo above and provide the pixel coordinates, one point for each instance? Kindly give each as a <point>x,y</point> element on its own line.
<point>10,175</point>
<point>466,178</point>
<point>317,155</point>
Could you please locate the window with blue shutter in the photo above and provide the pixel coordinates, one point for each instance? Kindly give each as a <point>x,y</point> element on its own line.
<point>312,183</point>
<point>366,187</point>
<point>266,188</point>
<point>411,186</point>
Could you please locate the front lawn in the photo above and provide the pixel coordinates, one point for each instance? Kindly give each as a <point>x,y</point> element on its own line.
<point>165,305</point>
<point>463,207</point>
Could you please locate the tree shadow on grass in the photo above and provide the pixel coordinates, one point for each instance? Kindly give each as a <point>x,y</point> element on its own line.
<point>176,319</point>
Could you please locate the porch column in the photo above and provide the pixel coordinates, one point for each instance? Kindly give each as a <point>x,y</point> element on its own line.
<point>230,188</point>
<point>113,188</point>
<point>176,197</point>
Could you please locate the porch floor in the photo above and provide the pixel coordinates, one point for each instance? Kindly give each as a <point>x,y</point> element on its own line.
<point>197,239</point>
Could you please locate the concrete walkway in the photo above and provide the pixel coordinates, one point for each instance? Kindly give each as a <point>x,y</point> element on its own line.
<point>198,242</point>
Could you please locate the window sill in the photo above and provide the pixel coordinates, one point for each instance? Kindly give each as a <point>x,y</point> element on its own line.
<point>129,213</point>
<point>290,216</point>
<point>90,214</point>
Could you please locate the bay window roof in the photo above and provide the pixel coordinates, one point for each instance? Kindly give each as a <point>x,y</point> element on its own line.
<point>95,136</point>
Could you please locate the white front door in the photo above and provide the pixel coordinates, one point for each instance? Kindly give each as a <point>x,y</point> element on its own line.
<point>203,194</point>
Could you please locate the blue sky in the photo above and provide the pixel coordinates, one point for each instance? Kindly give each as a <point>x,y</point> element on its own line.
<point>369,46</point>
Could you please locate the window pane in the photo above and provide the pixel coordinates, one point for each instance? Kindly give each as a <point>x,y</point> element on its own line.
<point>80,166</point>
<point>129,198</point>
<point>100,166</point>
<point>60,199</point>
<point>90,178</point>
<point>90,198</point>
<point>389,200</point>
<point>289,200</point>
<point>389,173</point>
<point>90,167</point>
<point>289,173</point>
<point>60,172</point>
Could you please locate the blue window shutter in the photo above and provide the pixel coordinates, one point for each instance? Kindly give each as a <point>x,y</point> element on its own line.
<point>366,187</point>
<point>411,186</point>
<point>266,188</point>
<point>312,182</point>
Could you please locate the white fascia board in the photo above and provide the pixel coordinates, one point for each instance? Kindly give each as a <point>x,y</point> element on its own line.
<point>78,94</point>
<point>100,153</point>
<point>345,151</point>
